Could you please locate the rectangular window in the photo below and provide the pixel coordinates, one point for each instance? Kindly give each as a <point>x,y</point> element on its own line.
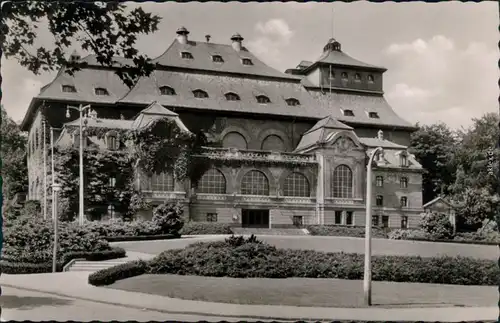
<point>379,200</point>
<point>297,221</point>
<point>211,217</point>
<point>403,182</point>
<point>404,222</point>
<point>349,218</point>
<point>112,182</point>
<point>385,221</point>
<point>338,217</point>
<point>375,221</point>
<point>404,201</point>
<point>379,181</point>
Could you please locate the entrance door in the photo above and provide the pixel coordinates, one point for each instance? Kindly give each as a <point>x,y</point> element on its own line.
<point>255,218</point>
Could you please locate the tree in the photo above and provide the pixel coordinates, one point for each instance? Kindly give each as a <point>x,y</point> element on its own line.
<point>433,147</point>
<point>105,29</point>
<point>14,163</point>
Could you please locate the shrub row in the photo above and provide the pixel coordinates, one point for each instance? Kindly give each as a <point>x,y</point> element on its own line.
<point>194,228</point>
<point>142,238</point>
<point>344,231</point>
<point>10,266</point>
<point>461,237</point>
<point>109,275</point>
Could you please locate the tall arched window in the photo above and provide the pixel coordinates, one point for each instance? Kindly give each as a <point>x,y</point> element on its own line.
<point>296,185</point>
<point>273,143</point>
<point>162,182</point>
<point>342,182</point>
<point>234,140</point>
<point>254,183</point>
<point>212,182</point>
<point>112,141</point>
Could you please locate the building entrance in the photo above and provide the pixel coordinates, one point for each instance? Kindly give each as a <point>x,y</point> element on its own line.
<point>255,218</point>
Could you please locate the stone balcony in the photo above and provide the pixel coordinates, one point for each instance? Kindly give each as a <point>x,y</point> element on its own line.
<point>240,198</point>
<point>159,195</point>
<point>345,201</point>
<point>256,156</point>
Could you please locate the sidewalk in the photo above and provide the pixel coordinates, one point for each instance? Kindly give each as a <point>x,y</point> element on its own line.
<point>74,285</point>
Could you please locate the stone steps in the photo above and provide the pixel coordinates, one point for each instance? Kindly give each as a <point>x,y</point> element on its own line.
<point>93,266</point>
<point>274,232</point>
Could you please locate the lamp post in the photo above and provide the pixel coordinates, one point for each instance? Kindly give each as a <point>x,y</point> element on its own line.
<point>44,147</point>
<point>55,191</point>
<point>367,279</point>
<point>80,109</point>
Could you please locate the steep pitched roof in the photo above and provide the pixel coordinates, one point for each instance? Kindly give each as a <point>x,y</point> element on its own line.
<point>330,123</point>
<point>376,142</point>
<point>437,199</point>
<point>341,58</point>
<point>156,111</point>
<point>202,60</point>
<point>320,131</point>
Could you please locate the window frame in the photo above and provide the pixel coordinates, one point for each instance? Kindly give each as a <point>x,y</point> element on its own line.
<point>405,199</point>
<point>347,214</point>
<point>297,185</point>
<point>167,90</point>
<point>168,181</point>
<point>213,181</point>
<point>212,217</point>
<point>381,199</point>
<point>404,222</point>
<point>338,215</point>
<point>216,57</point>
<point>67,86</point>
<point>373,115</point>
<point>188,55</point>
<point>348,113</point>
<point>385,221</point>
<point>204,94</point>
<point>342,182</point>
<point>262,99</point>
<point>403,182</point>
<point>246,59</point>
<point>247,187</point>
<point>379,180</point>
<point>101,91</point>
<point>295,101</point>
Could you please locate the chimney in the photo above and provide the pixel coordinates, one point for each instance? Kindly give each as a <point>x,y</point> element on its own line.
<point>182,35</point>
<point>207,37</point>
<point>237,40</point>
<point>380,135</point>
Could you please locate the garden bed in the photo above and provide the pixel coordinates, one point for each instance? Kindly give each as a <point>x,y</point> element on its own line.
<point>248,258</point>
<point>344,231</point>
<point>197,228</point>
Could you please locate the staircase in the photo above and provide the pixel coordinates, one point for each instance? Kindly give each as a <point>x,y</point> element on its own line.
<point>270,232</point>
<point>92,266</point>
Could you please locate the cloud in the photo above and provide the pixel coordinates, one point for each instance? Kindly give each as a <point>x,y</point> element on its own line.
<point>438,77</point>
<point>272,37</point>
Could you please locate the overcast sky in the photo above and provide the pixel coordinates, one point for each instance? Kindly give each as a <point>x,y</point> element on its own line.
<point>442,58</point>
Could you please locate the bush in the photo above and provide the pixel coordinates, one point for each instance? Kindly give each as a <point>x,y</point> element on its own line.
<point>344,231</point>
<point>109,275</point>
<point>240,258</point>
<point>119,228</point>
<point>194,228</point>
<point>142,238</point>
<point>405,234</point>
<point>437,225</point>
<point>168,218</point>
<point>10,266</point>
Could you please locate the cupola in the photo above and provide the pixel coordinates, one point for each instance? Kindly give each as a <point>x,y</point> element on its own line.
<point>332,45</point>
<point>237,41</point>
<point>182,35</point>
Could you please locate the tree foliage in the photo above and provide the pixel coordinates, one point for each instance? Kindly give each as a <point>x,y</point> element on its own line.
<point>106,29</point>
<point>14,162</point>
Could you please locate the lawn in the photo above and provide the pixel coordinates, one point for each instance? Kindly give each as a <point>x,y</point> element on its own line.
<point>308,292</point>
<point>337,244</point>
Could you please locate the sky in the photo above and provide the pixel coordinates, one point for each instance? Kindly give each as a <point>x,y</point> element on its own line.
<point>442,58</point>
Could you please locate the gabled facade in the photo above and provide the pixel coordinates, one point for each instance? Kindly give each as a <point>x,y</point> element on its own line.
<point>300,140</point>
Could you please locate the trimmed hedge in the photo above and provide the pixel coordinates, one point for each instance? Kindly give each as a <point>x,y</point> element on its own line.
<point>344,231</point>
<point>8,266</point>
<point>461,237</point>
<point>194,228</point>
<point>142,238</point>
<point>109,275</point>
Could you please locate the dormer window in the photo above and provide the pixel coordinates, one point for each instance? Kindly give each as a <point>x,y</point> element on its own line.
<point>112,141</point>
<point>348,113</point>
<point>344,76</point>
<point>292,102</point>
<point>246,61</point>
<point>357,77</point>
<point>232,96</point>
<point>263,99</point>
<point>200,94</point>
<point>403,161</point>
<point>217,59</point>
<point>101,91</point>
<point>373,115</point>
<point>167,90</point>
<point>370,79</point>
<point>68,88</point>
<point>186,55</point>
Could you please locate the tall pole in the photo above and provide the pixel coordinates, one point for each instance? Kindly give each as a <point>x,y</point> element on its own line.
<point>80,215</point>
<point>367,279</point>
<point>53,173</point>
<point>44,134</point>
<point>55,190</point>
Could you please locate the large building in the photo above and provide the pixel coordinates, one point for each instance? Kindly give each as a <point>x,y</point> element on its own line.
<point>301,139</point>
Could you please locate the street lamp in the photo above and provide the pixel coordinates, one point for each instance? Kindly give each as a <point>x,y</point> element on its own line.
<point>55,191</point>
<point>367,279</point>
<point>80,109</point>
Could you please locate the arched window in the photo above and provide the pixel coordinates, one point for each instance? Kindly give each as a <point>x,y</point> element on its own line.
<point>357,77</point>
<point>200,94</point>
<point>370,79</point>
<point>403,160</point>
<point>112,141</point>
<point>111,211</point>
<point>212,182</point>
<point>344,76</point>
<point>296,185</point>
<point>292,102</point>
<point>342,182</point>
<point>254,183</point>
<point>232,96</point>
<point>167,90</point>
<point>273,143</point>
<point>403,182</point>
<point>162,182</point>
<point>234,140</point>
<point>263,99</point>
